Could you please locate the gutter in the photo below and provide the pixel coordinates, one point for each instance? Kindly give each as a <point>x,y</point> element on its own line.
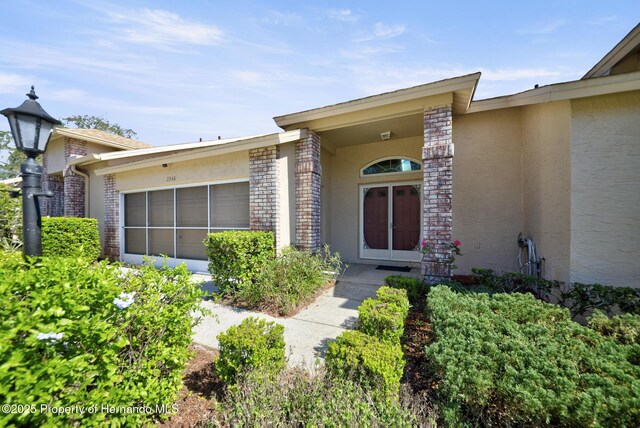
<point>86,189</point>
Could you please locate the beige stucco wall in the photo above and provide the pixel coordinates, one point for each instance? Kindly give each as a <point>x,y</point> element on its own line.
<point>55,156</point>
<point>343,180</point>
<point>487,189</point>
<point>230,166</point>
<point>326,162</point>
<point>605,198</point>
<point>285,173</point>
<point>96,198</point>
<point>546,133</point>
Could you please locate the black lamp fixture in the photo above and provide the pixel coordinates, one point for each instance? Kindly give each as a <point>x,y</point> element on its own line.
<point>31,128</point>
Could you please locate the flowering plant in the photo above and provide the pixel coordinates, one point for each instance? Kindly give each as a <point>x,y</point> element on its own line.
<point>449,261</point>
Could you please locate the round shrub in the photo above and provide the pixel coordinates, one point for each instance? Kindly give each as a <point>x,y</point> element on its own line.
<point>253,345</point>
<point>413,286</point>
<point>374,364</point>
<point>395,296</point>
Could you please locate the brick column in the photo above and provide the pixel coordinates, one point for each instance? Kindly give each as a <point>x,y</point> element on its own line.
<point>308,190</point>
<point>53,207</point>
<point>263,195</point>
<point>437,157</point>
<point>111,218</point>
<point>73,184</point>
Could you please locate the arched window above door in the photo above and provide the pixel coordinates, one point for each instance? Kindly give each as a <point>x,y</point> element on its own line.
<point>393,165</point>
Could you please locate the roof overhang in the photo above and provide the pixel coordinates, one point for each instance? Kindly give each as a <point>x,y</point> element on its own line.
<point>562,91</point>
<point>622,49</point>
<point>188,152</point>
<point>457,91</point>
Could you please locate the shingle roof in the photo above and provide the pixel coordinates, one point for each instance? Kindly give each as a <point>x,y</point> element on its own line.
<point>102,137</point>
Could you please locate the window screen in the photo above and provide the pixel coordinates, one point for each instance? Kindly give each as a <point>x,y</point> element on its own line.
<point>230,205</point>
<point>191,203</point>
<point>161,208</point>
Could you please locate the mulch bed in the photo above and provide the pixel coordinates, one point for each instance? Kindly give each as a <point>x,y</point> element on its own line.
<point>417,334</point>
<point>200,393</point>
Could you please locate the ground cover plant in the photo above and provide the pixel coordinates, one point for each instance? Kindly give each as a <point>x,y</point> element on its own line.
<point>299,398</point>
<point>510,359</point>
<point>279,285</point>
<point>79,333</point>
<point>70,237</point>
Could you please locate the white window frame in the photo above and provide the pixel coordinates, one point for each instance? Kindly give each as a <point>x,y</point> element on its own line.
<point>390,174</point>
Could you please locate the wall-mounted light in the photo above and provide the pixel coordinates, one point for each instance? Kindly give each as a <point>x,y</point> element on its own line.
<point>385,135</point>
<point>164,165</point>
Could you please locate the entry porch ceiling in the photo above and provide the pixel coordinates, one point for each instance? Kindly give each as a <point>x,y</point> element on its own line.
<point>400,127</point>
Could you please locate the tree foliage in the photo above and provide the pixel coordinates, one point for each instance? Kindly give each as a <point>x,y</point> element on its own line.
<point>10,167</point>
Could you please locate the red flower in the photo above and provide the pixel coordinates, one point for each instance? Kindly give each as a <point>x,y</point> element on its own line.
<point>423,243</point>
<point>457,243</point>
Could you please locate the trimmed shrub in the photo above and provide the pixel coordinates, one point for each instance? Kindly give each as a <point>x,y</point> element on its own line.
<point>70,237</point>
<point>236,257</point>
<point>79,333</point>
<point>373,364</point>
<point>624,329</point>
<point>514,360</point>
<point>395,296</point>
<point>291,280</point>
<point>297,398</point>
<point>10,219</point>
<point>253,345</point>
<point>413,286</point>
<point>383,320</point>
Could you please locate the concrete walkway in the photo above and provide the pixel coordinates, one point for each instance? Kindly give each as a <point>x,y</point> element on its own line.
<point>306,334</point>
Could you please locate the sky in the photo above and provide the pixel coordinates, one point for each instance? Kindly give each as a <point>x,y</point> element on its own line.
<point>177,71</point>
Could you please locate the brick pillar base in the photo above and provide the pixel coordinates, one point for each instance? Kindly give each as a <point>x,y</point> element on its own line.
<point>437,156</point>
<point>308,191</point>
<point>263,194</point>
<point>52,207</point>
<point>111,218</point>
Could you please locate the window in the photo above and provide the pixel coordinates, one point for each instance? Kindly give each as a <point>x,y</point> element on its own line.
<point>175,222</point>
<point>391,166</point>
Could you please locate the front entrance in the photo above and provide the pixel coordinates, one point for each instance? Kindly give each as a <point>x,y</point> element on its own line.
<point>390,221</point>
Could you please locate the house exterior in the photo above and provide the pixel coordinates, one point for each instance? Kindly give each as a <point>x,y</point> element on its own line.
<point>374,177</point>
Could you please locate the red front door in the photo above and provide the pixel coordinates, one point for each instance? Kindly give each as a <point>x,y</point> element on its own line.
<point>391,217</point>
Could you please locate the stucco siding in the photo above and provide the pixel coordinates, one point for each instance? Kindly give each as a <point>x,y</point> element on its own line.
<point>344,185</point>
<point>546,130</point>
<point>605,217</point>
<point>231,166</point>
<point>487,189</point>
<point>326,160</point>
<point>285,172</point>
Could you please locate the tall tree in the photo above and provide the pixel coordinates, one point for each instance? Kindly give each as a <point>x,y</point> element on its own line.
<point>10,167</point>
<point>100,123</point>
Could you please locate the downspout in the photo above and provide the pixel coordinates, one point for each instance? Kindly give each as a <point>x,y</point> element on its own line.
<point>86,189</point>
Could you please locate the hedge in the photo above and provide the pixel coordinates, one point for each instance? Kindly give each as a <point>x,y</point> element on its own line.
<point>384,317</point>
<point>374,364</point>
<point>10,219</point>
<point>512,359</point>
<point>70,237</point>
<point>413,286</point>
<point>253,345</point>
<point>79,333</point>
<point>236,257</point>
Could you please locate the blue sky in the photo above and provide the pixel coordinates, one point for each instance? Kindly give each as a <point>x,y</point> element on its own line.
<point>176,71</point>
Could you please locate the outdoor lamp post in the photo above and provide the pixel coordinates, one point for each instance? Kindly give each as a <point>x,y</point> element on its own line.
<point>31,127</point>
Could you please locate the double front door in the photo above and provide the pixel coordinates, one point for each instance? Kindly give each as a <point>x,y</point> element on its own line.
<point>390,221</point>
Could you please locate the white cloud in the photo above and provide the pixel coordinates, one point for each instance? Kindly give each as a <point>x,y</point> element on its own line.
<point>164,29</point>
<point>603,21</point>
<point>344,15</point>
<point>11,83</point>
<point>383,31</point>
<point>547,28</point>
<point>282,18</point>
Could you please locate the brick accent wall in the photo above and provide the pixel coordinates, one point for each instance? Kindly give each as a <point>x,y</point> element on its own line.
<point>73,183</point>
<point>308,192</point>
<point>111,218</point>
<point>437,157</point>
<point>53,207</point>
<point>263,195</point>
